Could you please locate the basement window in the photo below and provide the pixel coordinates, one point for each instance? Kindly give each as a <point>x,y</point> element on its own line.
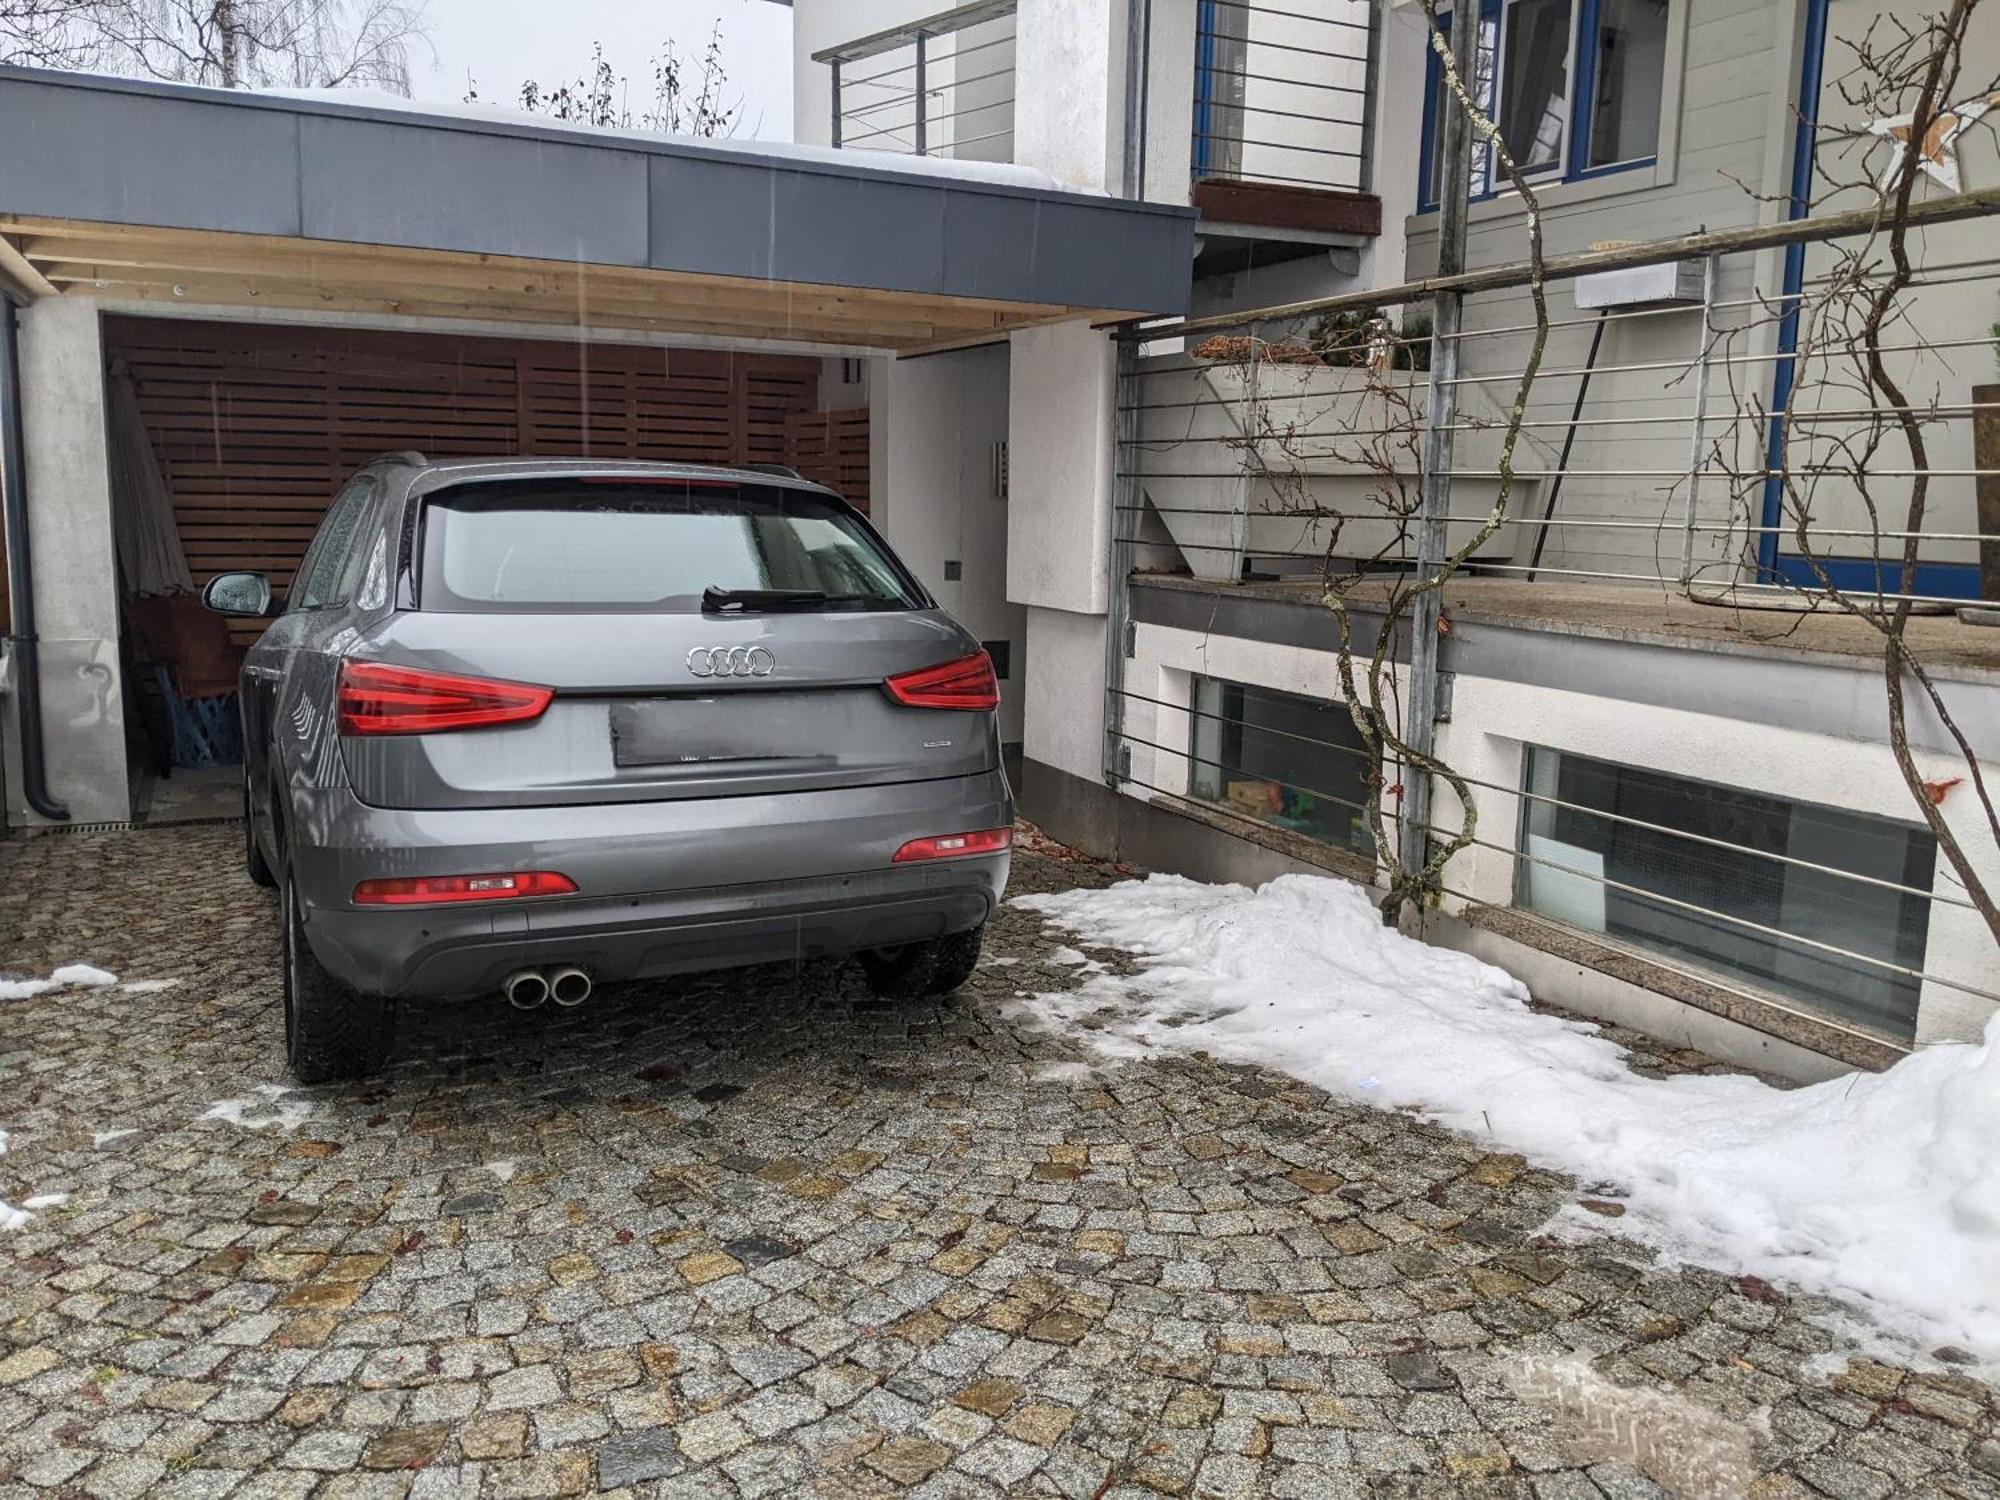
<point>1753,887</point>
<point>1293,762</point>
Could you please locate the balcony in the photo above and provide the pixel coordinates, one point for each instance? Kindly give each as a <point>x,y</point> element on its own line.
<point>1280,125</point>
<point>942,86</point>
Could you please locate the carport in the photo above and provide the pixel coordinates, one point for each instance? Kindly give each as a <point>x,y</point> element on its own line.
<point>283,287</point>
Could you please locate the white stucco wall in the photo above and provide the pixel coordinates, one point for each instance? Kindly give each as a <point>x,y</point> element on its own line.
<point>1069,91</point>
<point>1065,692</point>
<point>1060,424</point>
<point>944,414</point>
<point>1492,722</point>
<point>76,584</point>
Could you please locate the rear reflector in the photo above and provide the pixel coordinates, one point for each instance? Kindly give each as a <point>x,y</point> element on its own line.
<point>967,683</point>
<point>379,699</point>
<point>427,890</point>
<point>953,845</point>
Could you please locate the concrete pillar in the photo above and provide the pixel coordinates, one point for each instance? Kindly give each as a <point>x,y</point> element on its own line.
<point>1063,383</point>
<point>76,573</point>
<point>1069,91</point>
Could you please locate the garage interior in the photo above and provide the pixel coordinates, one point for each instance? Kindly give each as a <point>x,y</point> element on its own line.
<point>253,429</point>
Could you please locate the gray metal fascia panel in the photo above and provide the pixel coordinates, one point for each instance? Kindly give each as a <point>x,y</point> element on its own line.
<point>124,158</point>
<point>124,151</point>
<point>848,231</point>
<point>719,223</point>
<point>393,184</point>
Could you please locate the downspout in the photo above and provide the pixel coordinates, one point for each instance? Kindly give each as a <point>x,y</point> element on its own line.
<point>1138,70</point>
<point>21,575</point>
<point>1127,492</point>
<point>1784,372</point>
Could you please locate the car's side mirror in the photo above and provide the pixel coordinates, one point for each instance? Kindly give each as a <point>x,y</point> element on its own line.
<point>240,594</point>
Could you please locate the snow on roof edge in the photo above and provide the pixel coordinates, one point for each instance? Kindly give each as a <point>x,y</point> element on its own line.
<point>998,174</point>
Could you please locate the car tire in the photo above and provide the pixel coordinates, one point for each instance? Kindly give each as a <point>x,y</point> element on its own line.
<point>332,1034</point>
<point>917,970</point>
<point>254,864</point>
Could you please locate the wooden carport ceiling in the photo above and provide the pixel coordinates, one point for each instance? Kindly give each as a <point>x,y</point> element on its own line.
<point>182,267</point>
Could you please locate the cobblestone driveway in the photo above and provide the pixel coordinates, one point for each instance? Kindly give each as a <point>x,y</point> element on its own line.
<point>755,1235</point>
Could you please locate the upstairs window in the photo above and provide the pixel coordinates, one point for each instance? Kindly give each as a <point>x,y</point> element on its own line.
<point>1575,86</point>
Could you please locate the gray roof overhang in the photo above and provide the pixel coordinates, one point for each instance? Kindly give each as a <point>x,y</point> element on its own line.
<point>124,152</point>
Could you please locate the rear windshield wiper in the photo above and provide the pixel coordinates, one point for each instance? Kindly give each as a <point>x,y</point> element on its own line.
<point>752,601</point>
<point>716,600</point>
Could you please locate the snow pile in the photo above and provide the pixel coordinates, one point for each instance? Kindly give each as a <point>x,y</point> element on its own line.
<point>1880,1189</point>
<point>10,1216</point>
<point>68,977</point>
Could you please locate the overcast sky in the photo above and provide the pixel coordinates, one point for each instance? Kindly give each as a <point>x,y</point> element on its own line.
<point>501,42</point>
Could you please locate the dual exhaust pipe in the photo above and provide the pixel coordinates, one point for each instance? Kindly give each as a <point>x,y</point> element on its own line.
<point>567,985</point>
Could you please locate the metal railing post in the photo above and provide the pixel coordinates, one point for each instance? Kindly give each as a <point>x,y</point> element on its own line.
<point>834,64</point>
<point>923,96</point>
<point>1697,459</point>
<point>1126,495</point>
<point>1365,180</point>
<point>1434,493</point>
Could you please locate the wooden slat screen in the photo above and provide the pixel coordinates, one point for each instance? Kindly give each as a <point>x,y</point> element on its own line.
<point>831,448</point>
<point>256,427</point>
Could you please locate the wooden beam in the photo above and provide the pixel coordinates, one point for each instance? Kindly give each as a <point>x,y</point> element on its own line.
<point>692,315</point>
<point>111,242</point>
<point>208,295</point>
<point>21,271</point>
<point>1281,206</point>
<point>544,290</point>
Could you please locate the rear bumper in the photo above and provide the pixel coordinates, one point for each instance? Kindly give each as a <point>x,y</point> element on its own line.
<point>663,887</point>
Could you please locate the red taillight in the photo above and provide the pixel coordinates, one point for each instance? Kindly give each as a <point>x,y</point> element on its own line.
<point>953,845</point>
<point>428,890</point>
<point>379,699</point>
<point>967,683</point>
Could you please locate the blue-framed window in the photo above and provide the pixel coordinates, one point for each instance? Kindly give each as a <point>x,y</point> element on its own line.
<point>1576,87</point>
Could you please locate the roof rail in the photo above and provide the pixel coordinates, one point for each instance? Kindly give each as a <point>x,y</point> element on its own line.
<point>399,456</point>
<point>785,471</point>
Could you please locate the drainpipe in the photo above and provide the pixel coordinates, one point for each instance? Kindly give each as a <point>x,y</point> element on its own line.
<point>1420,709</point>
<point>1138,67</point>
<point>21,575</point>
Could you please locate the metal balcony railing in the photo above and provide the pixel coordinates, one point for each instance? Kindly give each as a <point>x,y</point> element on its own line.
<point>1283,92</point>
<point>942,86</point>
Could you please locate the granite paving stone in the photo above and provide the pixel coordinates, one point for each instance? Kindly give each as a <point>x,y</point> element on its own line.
<point>757,1233</point>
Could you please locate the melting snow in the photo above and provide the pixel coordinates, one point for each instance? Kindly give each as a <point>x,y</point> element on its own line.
<point>504,1170</point>
<point>69,976</point>
<point>430,111</point>
<point>147,986</point>
<point>10,1216</point>
<point>106,1137</point>
<point>84,976</point>
<point>266,1107</point>
<point>1879,1189</point>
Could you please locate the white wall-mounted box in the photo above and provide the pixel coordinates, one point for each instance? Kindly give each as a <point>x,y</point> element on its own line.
<point>1641,286</point>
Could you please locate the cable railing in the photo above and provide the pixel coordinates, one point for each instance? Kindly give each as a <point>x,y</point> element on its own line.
<point>1707,456</point>
<point>942,86</point>
<point>1283,94</point>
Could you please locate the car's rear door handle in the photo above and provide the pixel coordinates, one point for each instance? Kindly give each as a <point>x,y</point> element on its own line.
<point>269,674</point>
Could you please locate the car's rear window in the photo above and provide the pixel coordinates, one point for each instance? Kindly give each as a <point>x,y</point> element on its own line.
<point>586,544</point>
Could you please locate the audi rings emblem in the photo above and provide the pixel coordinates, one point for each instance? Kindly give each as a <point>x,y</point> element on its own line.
<point>731,661</point>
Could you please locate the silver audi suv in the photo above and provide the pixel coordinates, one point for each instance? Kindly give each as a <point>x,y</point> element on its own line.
<point>527,726</point>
